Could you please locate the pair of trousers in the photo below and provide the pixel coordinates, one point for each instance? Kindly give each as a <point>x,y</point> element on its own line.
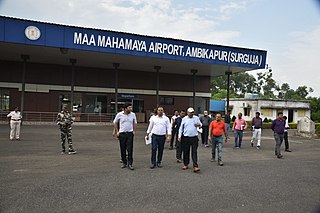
<point>187,143</point>
<point>126,145</point>
<point>179,150</point>
<point>174,135</point>
<point>256,136</point>
<point>217,143</point>
<point>228,128</point>
<point>204,135</point>
<point>279,140</point>
<point>15,129</point>
<point>66,134</point>
<point>238,134</point>
<point>157,142</point>
<point>286,141</point>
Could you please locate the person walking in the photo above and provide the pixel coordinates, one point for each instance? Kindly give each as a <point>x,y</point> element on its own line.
<point>125,124</point>
<point>160,128</point>
<point>278,126</point>
<point>179,146</point>
<point>227,121</point>
<point>205,121</point>
<point>216,130</point>
<point>174,133</point>
<point>15,124</point>
<point>256,125</point>
<point>65,121</point>
<point>188,130</point>
<point>285,136</point>
<point>238,126</point>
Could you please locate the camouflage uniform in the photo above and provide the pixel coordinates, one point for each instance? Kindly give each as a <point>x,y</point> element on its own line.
<point>64,120</point>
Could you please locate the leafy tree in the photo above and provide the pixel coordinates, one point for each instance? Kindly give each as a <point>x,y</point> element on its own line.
<point>267,86</point>
<point>222,94</point>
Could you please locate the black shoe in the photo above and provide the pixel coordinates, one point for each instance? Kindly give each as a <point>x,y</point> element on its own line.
<point>159,165</point>
<point>152,166</point>
<point>287,150</point>
<point>220,163</point>
<point>131,167</point>
<point>124,166</point>
<point>279,156</point>
<point>179,161</point>
<point>251,144</point>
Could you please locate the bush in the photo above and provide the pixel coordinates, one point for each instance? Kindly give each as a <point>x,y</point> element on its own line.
<point>293,125</point>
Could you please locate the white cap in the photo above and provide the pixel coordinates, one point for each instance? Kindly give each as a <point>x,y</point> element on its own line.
<point>205,112</point>
<point>190,109</point>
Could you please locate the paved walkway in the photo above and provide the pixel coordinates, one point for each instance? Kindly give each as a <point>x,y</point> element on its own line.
<point>35,177</point>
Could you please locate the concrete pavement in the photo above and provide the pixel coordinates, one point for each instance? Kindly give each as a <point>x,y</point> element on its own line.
<point>35,177</point>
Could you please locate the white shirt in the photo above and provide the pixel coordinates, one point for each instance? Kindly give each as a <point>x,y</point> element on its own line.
<point>125,121</point>
<point>14,115</point>
<point>159,125</point>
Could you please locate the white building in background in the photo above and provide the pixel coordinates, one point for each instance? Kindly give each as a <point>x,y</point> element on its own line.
<point>294,110</point>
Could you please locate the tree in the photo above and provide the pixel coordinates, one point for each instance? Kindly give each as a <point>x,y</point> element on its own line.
<point>267,86</point>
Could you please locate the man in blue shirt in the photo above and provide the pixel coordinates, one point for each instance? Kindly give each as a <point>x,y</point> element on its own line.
<point>277,127</point>
<point>189,131</point>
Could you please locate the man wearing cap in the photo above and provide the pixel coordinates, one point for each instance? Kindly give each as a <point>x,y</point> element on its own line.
<point>125,124</point>
<point>15,123</point>
<point>189,131</point>
<point>205,121</point>
<point>160,128</point>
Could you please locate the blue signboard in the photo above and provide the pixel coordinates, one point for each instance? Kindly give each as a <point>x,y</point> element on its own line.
<point>53,35</point>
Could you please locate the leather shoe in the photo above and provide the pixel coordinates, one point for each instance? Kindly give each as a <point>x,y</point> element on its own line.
<point>196,169</point>
<point>159,165</point>
<point>152,166</point>
<point>131,167</point>
<point>279,156</point>
<point>287,150</point>
<point>123,166</point>
<point>185,167</point>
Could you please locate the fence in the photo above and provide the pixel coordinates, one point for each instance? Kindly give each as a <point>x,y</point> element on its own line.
<point>51,117</point>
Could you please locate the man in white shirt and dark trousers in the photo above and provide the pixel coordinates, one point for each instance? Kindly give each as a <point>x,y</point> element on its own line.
<point>15,123</point>
<point>125,124</point>
<point>174,130</point>
<point>160,128</point>
<point>188,130</point>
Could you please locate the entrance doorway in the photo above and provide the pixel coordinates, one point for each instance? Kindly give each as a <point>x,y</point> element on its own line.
<point>290,115</point>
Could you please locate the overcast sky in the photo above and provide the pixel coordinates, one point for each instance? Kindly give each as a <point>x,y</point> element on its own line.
<point>288,29</point>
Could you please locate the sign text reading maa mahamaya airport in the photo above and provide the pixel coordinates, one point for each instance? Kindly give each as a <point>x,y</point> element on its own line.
<point>172,49</point>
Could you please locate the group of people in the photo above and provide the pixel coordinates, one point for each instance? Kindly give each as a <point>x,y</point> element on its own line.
<point>184,126</point>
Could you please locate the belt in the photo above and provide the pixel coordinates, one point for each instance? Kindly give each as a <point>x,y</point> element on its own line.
<point>216,136</point>
<point>15,119</point>
<point>257,127</point>
<point>125,133</point>
<point>158,135</point>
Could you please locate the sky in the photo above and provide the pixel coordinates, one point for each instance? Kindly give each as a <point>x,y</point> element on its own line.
<point>288,29</point>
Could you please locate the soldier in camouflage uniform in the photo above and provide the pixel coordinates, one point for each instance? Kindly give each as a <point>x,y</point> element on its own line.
<point>64,120</point>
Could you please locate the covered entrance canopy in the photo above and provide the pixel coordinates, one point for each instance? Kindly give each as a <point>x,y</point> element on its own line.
<point>38,42</point>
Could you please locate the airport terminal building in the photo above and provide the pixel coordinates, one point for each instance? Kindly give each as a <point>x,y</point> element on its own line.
<point>46,65</point>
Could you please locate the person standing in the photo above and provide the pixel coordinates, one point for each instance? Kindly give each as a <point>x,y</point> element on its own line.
<point>188,130</point>
<point>216,130</point>
<point>15,124</point>
<point>125,124</point>
<point>257,129</point>
<point>238,126</point>
<point>160,128</point>
<point>285,136</point>
<point>205,121</point>
<point>174,132</point>
<point>227,121</point>
<point>65,121</point>
<point>179,146</point>
<point>278,126</point>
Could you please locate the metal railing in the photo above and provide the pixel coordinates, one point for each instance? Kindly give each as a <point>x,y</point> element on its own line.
<point>51,117</point>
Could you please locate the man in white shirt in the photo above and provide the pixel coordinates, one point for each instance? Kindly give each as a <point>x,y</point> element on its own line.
<point>160,128</point>
<point>125,124</point>
<point>174,130</point>
<point>15,123</point>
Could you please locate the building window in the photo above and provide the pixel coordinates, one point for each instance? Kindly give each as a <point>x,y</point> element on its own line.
<point>267,112</point>
<point>4,100</point>
<point>301,113</point>
<point>166,101</point>
<point>65,100</point>
<point>246,111</point>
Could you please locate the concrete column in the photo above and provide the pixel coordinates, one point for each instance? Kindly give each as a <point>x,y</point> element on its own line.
<point>23,87</point>
<point>193,71</point>
<point>157,68</point>
<point>115,66</point>
<point>73,62</point>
